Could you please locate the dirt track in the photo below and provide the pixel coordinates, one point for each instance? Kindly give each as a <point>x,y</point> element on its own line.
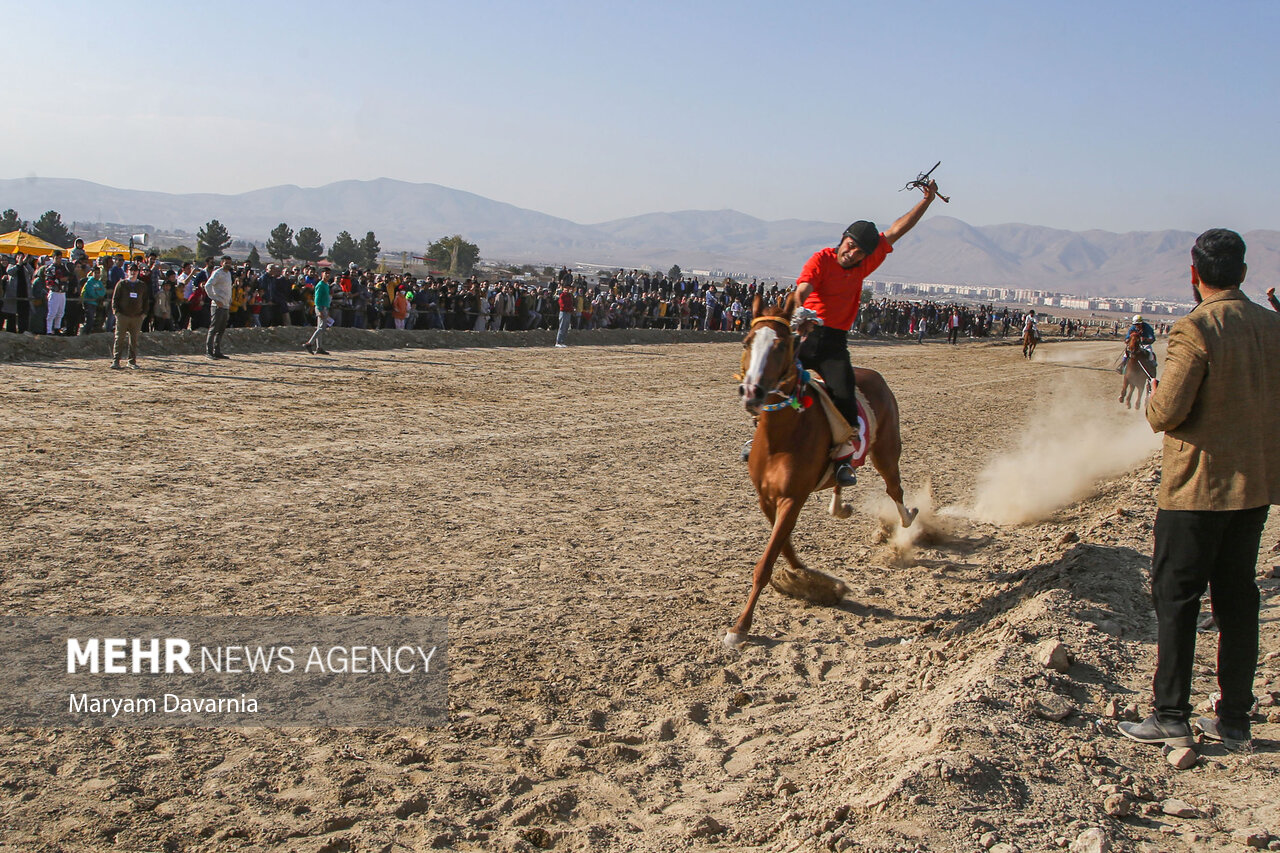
<point>580,518</point>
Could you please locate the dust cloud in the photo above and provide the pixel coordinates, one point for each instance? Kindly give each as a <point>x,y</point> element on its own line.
<point>931,526</point>
<point>1064,451</point>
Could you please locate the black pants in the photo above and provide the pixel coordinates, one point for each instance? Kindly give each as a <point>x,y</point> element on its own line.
<point>1219,549</point>
<point>213,341</point>
<point>826,350</point>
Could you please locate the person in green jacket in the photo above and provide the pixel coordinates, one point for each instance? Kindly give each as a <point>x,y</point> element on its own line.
<point>91,295</point>
<point>323,299</point>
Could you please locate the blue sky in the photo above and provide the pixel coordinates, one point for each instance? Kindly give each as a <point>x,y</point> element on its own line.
<point>1120,116</point>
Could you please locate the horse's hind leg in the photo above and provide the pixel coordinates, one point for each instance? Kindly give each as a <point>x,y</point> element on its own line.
<point>784,515</point>
<point>800,581</point>
<point>886,450</point>
<point>838,507</point>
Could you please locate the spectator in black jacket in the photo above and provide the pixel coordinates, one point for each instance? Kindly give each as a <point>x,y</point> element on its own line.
<point>276,294</point>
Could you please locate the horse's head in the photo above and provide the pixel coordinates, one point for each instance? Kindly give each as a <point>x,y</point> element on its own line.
<point>1134,342</point>
<point>768,353</point>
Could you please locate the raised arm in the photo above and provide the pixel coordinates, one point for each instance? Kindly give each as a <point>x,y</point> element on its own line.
<point>908,220</point>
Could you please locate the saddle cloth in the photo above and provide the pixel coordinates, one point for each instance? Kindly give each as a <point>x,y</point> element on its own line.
<point>841,432</point>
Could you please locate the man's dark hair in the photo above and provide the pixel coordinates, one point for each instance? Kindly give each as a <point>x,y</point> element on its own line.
<point>1218,257</point>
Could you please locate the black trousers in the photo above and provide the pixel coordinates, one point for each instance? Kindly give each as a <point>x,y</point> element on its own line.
<point>826,350</point>
<point>1217,549</point>
<point>213,340</point>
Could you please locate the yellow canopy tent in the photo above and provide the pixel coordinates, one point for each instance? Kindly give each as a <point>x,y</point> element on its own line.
<point>21,241</point>
<point>105,246</point>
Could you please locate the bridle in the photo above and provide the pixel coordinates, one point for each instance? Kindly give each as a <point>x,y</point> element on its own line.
<point>795,375</point>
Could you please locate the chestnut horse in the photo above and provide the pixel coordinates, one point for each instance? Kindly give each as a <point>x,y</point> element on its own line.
<point>1030,337</point>
<point>1139,370</point>
<point>790,454</point>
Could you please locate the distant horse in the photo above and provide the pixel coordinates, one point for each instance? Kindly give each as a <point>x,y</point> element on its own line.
<point>1139,370</point>
<point>790,454</point>
<point>1030,337</point>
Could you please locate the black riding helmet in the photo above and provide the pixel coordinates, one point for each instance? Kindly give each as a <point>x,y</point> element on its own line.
<point>864,234</point>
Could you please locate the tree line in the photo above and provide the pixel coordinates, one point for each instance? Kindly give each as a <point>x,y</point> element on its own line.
<point>452,254</point>
<point>48,227</point>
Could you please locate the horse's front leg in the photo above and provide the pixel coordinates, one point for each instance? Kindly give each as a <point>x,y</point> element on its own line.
<point>786,511</point>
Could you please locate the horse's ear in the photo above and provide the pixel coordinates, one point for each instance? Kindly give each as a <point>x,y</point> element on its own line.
<point>790,306</point>
<point>756,304</point>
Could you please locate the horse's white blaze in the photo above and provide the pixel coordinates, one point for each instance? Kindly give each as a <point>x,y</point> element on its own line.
<point>761,344</point>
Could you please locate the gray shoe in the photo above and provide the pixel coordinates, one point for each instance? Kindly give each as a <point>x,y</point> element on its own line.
<point>1235,739</point>
<point>1153,731</point>
<point>845,475</point>
<point>745,454</point>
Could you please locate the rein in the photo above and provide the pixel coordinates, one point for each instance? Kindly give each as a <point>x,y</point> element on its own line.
<point>794,401</point>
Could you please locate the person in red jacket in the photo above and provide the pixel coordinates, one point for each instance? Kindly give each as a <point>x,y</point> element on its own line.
<point>565,303</point>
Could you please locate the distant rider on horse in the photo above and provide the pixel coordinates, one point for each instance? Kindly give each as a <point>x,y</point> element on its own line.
<point>830,285</point>
<point>1146,337</point>
<point>1030,324</point>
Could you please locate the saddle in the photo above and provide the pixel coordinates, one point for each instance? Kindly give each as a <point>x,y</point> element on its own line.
<point>841,432</point>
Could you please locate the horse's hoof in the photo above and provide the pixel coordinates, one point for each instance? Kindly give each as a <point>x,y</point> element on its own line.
<point>909,516</point>
<point>733,641</point>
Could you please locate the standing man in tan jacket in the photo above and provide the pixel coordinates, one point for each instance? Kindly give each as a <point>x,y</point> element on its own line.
<point>1219,408</point>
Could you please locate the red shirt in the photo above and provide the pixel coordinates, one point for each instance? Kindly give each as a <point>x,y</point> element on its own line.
<point>565,300</point>
<point>837,291</point>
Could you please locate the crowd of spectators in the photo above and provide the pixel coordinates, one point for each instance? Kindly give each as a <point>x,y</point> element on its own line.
<point>71,295</point>
<point>901,318</point>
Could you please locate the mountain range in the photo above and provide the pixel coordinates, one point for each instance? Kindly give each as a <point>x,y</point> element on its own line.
<point>408,216</point>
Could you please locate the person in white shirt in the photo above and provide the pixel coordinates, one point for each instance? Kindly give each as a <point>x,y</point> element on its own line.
<point>218,287</point>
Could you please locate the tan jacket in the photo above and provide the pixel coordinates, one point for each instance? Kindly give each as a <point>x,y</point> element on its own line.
<point>1218,405</point>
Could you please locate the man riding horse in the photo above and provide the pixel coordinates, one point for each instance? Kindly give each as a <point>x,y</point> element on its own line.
<point>1146,337</point>
<point>1030,333</point>
<point>830,286</point>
